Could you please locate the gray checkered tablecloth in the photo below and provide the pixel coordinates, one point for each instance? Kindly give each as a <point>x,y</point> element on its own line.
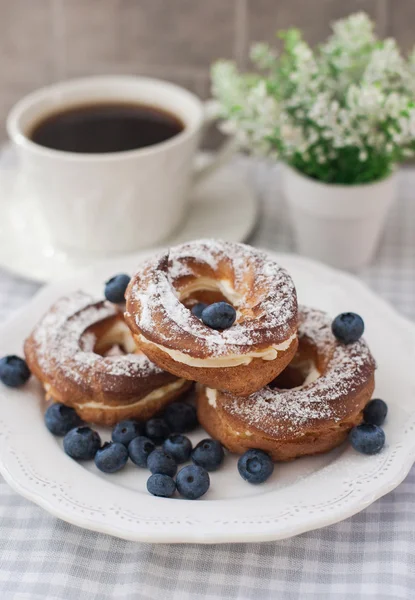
<point>371,555</point>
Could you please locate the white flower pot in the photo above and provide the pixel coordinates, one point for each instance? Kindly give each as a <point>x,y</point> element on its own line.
<point>337,224</point>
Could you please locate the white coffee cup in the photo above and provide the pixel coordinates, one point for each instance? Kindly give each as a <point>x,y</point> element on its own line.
<point>109,203</point>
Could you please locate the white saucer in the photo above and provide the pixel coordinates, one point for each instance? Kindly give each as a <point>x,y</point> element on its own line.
<point>224,206</point>
<point>302,495</point>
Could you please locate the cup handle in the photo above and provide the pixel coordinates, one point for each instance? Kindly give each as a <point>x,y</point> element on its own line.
<point>222,156</point>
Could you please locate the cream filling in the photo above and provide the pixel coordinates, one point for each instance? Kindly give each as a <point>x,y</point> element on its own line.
<point>154,395</point>
<point>117,335</point>
<point>211,396</point>
<point>245,434</point>
<point>231,360</point>
<point>212,285</point>
<point>312,375</point>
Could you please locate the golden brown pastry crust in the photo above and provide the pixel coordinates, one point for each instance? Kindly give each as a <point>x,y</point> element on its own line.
<point>262,293</point>
<point>242,379</point>
<point>108,414</point>
<point>102,389</point>
<point>288,423</point>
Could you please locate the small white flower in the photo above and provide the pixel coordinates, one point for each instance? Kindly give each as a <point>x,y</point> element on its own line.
<point>263,55</point>
<point>352,92</point>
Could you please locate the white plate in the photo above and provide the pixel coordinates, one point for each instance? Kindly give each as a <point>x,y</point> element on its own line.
<point>223,206</point>
<point>302,495</point>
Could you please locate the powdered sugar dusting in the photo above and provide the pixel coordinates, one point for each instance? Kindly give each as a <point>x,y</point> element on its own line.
<point>266,314</point>
<point>288,411</point>
<point>63,342</point>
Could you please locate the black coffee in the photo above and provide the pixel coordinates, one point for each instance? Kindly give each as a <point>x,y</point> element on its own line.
<point>105,127</point>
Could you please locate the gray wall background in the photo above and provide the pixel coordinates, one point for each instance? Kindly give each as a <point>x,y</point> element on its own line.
<point>44,41</point>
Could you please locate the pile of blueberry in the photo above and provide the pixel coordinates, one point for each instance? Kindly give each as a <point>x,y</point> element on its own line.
<point>160,444</point>
<point>152,445</point>
<point>139,442</point>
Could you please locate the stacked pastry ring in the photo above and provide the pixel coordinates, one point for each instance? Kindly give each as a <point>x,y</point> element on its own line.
<point>241,359</point>
<point>66,351</point>
<point>309,409</point>
<point>277,379</point>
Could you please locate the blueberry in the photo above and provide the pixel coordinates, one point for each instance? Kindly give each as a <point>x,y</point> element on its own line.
<point>125,431</point>
<point>60,419</point>
<point>219,315</point>
<point>192,482</point>
<point>348,327</point>
<point>157,430</point>
<point>81,443</point>
<point>161,485</point>
<point>367,439</point>
<point>181,417</point>
<point>208,454</point>
<point>255,466</point>
<point>197,309</point>
<point>111,457</point>
<point>375,412</point>
<point>14,371</point>
<point>115,288</point>
<point>161,462</point>
<point>178,446</point>
<point>139,450</point>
